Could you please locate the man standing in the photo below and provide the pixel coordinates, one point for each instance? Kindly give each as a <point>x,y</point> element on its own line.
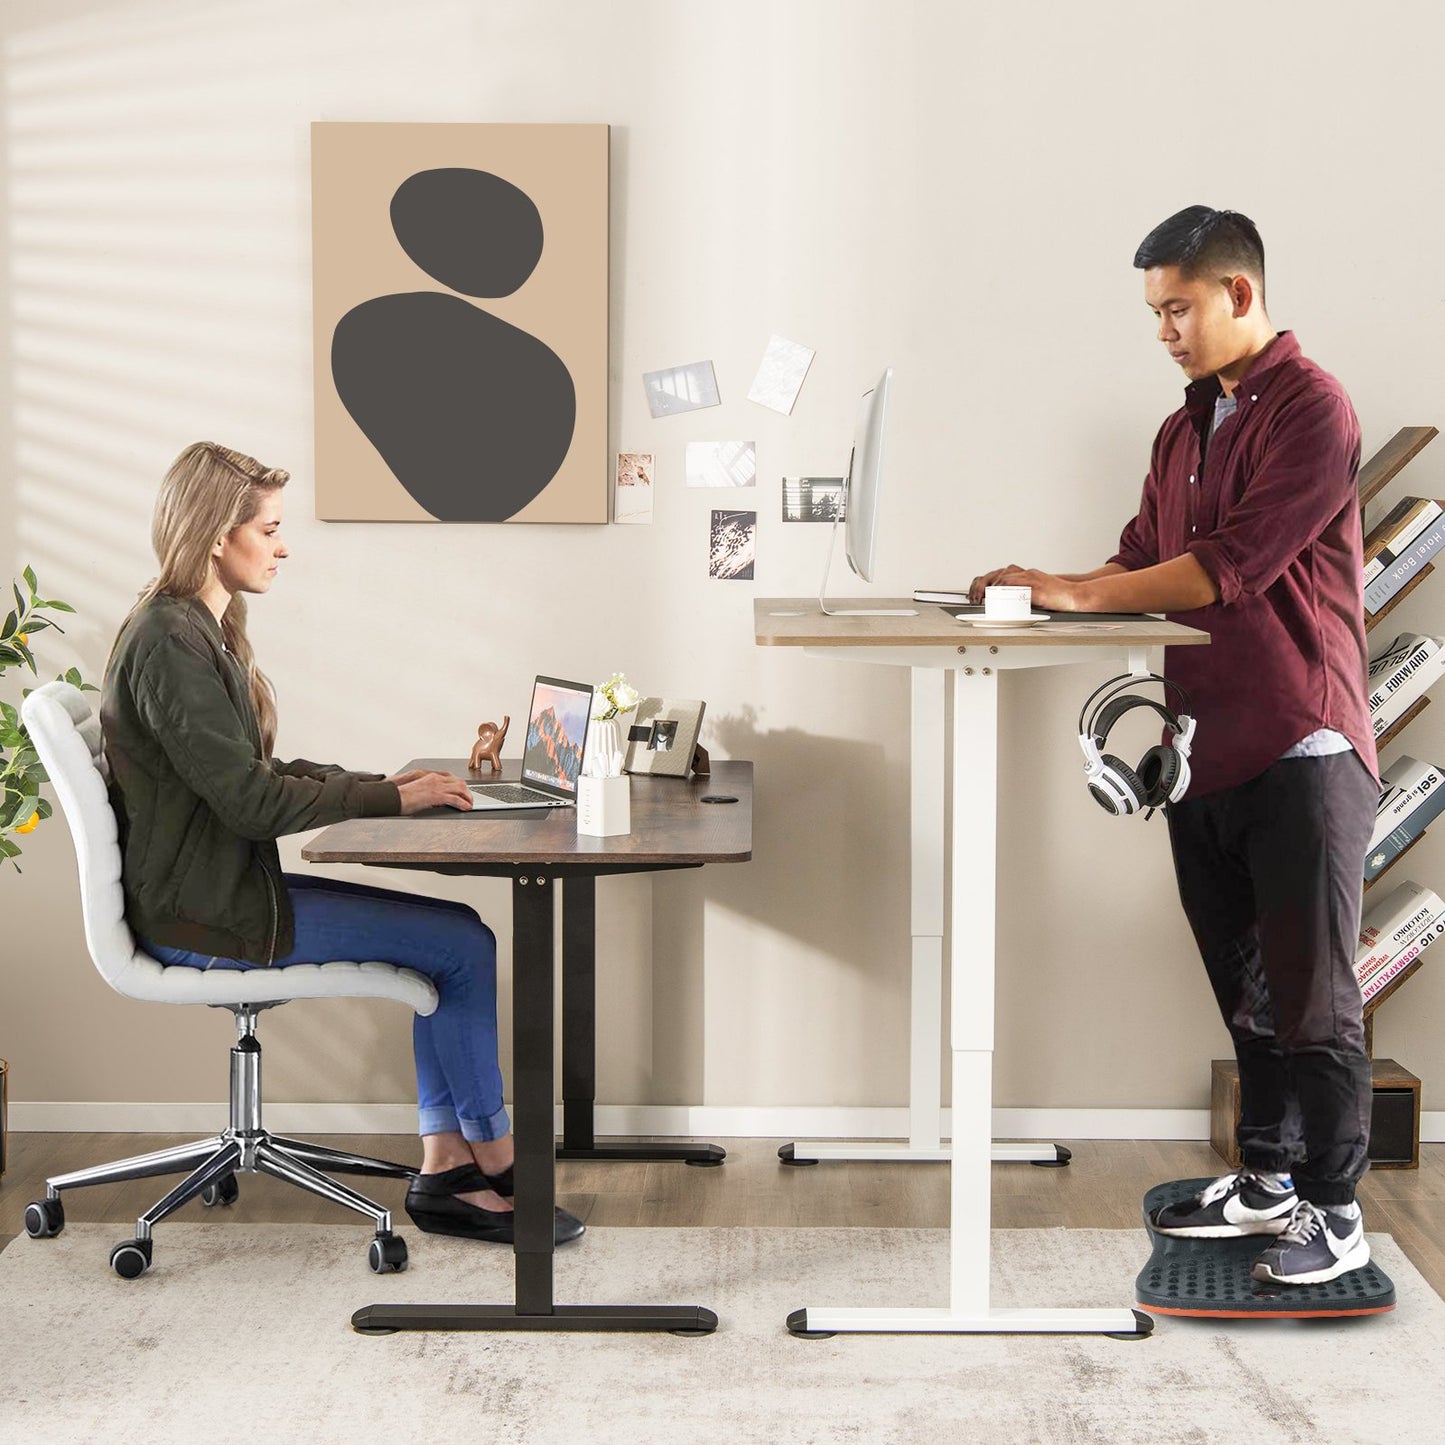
<point>1249,529</point>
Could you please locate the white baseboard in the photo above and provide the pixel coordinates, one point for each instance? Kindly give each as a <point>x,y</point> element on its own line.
<point>666,1120</point>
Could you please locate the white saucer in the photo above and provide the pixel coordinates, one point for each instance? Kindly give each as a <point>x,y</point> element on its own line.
<point>977,619</point>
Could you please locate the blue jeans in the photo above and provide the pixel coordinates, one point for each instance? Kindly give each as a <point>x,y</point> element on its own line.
<point>458,1080</point>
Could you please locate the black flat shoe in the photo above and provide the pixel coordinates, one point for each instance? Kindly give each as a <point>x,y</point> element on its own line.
<point>568,1226</point>
<point>500,1183</point>
<point>433,1207</point>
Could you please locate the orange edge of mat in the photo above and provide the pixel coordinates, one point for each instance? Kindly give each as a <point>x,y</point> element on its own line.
<point>1260,1314</point>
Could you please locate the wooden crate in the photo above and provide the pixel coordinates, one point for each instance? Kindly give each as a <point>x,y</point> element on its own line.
<point>1394,1117</point>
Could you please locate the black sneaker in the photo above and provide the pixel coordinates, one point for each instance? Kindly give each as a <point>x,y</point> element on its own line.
<point>1317,1244</point>
<point>1237,1204</point>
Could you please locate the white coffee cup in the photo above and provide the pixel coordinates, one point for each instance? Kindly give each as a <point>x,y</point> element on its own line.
<point>1007,602</point>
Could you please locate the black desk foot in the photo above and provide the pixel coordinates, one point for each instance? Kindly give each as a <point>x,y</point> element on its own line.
<point>798,1320</point>
<point>701,1154</point>
<point>786,1154</point>
<point>1059,1161</point>
<point>673,1319</point>
<point>1211,1278</point>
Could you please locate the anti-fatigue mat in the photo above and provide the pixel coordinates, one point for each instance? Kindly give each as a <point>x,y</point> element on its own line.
<point>1212,1276</point>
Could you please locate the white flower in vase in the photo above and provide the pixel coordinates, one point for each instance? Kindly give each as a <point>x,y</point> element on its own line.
<point>605,739</point>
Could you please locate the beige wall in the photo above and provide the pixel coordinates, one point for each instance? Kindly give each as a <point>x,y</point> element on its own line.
<point>952,189</point>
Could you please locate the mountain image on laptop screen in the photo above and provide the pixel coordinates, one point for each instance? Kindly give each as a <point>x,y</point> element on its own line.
<point>555,737</point>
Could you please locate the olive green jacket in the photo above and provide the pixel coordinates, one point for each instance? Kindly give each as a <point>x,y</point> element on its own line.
<point>198,803</point>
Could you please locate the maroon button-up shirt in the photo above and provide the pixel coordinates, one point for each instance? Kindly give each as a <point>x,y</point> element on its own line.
<point>1269,507</point>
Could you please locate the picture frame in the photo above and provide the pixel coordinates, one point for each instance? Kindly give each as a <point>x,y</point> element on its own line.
<point>663,737</point>
<point>444,250</point>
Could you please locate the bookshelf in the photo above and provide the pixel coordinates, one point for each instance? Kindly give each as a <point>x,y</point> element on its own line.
<point>1375,476</point>
<point>1395,1113</point>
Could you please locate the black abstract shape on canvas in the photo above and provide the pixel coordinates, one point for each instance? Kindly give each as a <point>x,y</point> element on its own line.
<point>470,230</point>
<point>472,415</point>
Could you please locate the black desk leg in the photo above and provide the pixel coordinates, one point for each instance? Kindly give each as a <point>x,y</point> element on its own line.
<point>533,1011</point>
<point>579,1016</point>
<point>579,1042</point>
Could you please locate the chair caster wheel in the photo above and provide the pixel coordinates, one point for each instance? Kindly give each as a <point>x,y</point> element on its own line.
<point>44,1219</point>
<point>387,1254</point>
<point>131,1259</point>
<point>223,1191</point>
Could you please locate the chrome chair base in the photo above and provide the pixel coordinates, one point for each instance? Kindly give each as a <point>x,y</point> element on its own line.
<point>212,1164</point>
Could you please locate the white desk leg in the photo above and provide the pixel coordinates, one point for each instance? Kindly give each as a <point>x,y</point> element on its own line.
<point>926,835</point>
<point>975,833</point>
<point>925,1031</point>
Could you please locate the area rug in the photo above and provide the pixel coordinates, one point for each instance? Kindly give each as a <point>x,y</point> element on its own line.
<point>241,1333</point>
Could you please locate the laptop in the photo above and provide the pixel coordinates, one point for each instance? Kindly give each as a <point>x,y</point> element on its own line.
<point>556,735</point>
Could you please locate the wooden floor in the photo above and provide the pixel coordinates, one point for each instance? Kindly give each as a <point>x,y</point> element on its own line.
<point>1100,1189</point>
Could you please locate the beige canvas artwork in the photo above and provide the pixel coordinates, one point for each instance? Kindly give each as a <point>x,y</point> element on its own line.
<point>460,322</point>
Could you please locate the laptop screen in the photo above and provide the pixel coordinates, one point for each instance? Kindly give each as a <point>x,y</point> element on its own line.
<point>556,732</point>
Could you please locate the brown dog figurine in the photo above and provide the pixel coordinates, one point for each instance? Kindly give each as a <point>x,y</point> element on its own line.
<point>488,745</point>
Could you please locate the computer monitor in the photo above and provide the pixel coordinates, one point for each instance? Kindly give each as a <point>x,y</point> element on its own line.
<point>860,500</point>
<point>865,469</point>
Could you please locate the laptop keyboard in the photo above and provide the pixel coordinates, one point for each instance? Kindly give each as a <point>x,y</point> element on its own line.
<point>512,793</point>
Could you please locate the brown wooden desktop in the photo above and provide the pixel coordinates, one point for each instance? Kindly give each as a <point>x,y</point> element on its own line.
<point>672,828</point>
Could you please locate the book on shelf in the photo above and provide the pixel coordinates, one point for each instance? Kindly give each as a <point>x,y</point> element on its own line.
<point>1384,851</point>
<point>1391,924</point>
<point>1404,786</point>
<point>1393,577</point>
<point>1390,538</point>
<point>1402,673</point>
<point>1402,960</point>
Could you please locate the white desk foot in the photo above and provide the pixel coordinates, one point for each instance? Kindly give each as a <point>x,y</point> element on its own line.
<point>813,1152</point>
<point>1128,1324</point>
<point>1047,1156</point>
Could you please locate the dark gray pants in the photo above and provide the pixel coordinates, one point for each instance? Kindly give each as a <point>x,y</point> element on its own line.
<point>1270,878</point>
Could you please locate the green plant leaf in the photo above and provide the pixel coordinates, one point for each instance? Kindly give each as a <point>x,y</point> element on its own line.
<point>29,576</point>
<point>10,624</point>
<point>58,606</point>
<point>15,812</point>
<point>26,655</point>
<point>20,606</point>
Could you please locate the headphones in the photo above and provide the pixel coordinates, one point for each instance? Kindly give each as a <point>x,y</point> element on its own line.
<point>1163,773</point>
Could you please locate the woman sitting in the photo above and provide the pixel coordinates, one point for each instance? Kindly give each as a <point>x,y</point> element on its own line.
<point>189,721</point>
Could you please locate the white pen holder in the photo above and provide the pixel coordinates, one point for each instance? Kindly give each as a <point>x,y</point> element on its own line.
<point>604,806</point>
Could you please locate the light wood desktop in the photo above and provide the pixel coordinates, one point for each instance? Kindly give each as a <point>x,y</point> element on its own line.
<point>671,828</point>
<point>934,645</point>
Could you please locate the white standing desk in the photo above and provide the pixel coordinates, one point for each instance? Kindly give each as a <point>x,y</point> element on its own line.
<point>933,645</point>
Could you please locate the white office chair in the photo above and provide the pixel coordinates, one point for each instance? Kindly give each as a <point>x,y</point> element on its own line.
<point>67,738</point>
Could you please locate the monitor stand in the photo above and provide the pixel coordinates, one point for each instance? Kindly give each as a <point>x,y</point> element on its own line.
<point>852,611</point>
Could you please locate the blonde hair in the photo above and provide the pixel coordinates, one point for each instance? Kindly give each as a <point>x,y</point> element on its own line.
<point>207,493</point>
